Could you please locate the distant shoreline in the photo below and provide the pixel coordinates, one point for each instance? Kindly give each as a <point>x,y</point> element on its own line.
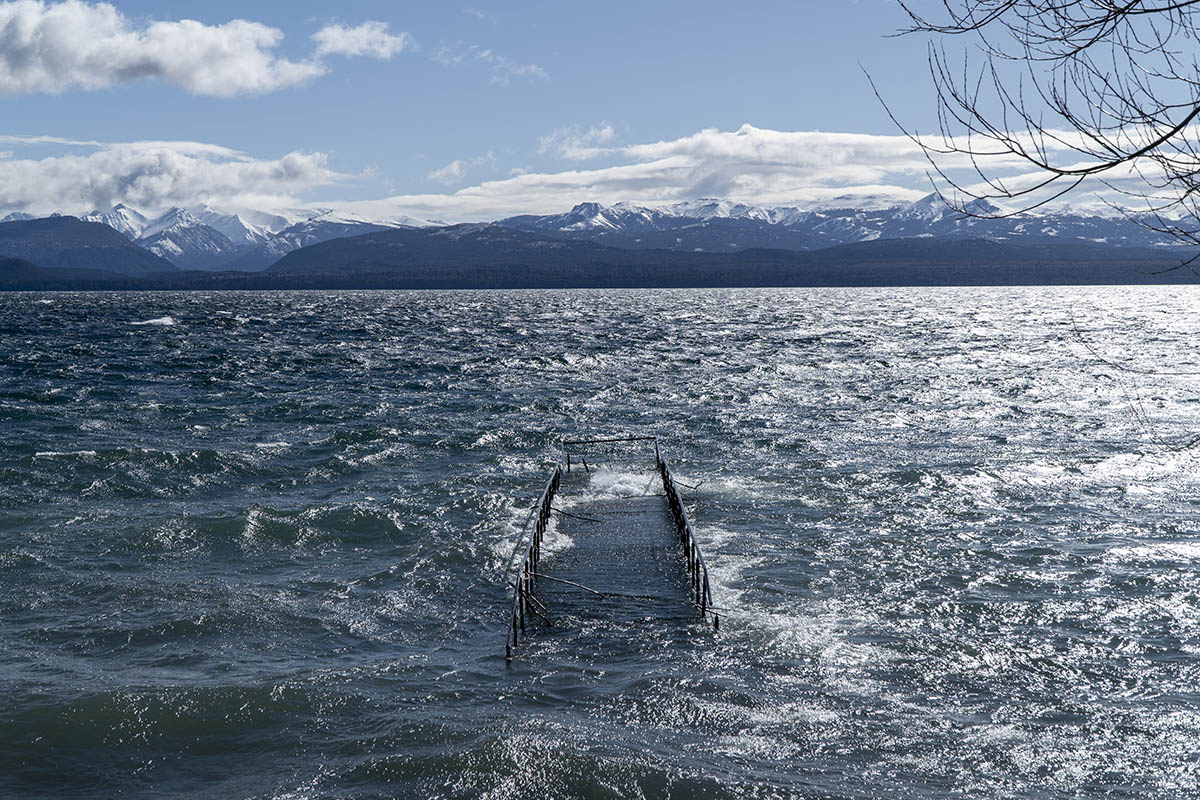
<point>66,254</point>
<point>351,286</point>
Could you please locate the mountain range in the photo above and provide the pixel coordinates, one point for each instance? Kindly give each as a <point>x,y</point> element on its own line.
<point>496,256</point>
<point>206,238</point>
<point>700,243</point>
<point>67,243</point>
<point>719,226</point>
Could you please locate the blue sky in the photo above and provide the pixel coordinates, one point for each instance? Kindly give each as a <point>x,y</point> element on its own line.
<point>529,106</point>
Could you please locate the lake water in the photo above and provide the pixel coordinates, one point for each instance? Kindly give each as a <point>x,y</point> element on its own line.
<point>253,545</point>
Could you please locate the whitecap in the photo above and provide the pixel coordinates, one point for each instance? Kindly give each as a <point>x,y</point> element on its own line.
<point>509,549</point>
<point>1158,551</point>
<point>607,483</point>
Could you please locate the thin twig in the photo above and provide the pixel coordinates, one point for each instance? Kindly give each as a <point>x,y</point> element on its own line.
<point>573,516</point>
<point>544,576</point>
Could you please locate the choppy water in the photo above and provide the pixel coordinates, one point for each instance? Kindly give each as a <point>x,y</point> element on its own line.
<point>251,545</point>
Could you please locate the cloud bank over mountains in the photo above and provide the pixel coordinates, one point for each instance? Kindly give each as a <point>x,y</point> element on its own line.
<point>154,175</point>
<point>806,169</point>
<point>751,165</point>
<point>55,47</point>
<point>449,149</point>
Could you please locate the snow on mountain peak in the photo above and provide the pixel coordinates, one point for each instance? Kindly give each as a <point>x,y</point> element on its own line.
<point>588,216</point>
<point>711,208</point>
<point>932,207</point>
<point>171,219</point>
<point>981,207</point>
<point>336,217</point>
<point>231,225</point>
<point>127,221</point>
<point>589,209</point>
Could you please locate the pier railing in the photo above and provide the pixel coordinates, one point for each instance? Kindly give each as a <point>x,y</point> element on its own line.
<point>701,589</point>
<point>523,585</point>
<point>568,444</point>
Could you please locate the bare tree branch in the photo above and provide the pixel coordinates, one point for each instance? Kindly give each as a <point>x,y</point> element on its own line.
<point>1073,89</point>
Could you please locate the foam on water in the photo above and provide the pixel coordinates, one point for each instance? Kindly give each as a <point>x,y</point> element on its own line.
<point>954,552</point>
<point>1186,551</point>
<point>608,482</point>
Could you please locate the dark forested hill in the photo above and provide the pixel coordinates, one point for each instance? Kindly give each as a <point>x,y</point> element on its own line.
<point>490,256</point>
<point>68,243</point>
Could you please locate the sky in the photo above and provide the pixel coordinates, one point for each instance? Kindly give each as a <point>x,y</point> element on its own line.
<point>454,111</point>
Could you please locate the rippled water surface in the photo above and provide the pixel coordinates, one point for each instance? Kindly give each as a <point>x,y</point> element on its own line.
<point>253,545</point>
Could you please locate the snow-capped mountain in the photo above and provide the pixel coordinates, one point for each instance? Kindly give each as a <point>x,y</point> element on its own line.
<point>185,241</point>
<point>206,237</point>
<point>212,238</point>
<point>232,226</point>
<point>724,209</point>
<point>722,226</point>
<point>319,228</point>
<point>124,220</point>
<point>624,217</point>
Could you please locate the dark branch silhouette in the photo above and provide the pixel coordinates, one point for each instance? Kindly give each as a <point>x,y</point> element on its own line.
<point>1073,90</point>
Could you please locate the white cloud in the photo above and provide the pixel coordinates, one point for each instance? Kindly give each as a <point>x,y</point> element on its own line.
<point>52,47</point>
<point>751,165</point>
<point>31,140</point>
<point>153,175</point>
<point>457,169</point>
<point>369,39</point>
<point>575,144</point>
<point>503,69</point>
<point>482,16</point>
<point>450,173</point>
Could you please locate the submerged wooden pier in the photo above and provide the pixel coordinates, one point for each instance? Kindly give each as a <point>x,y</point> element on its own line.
<point>628,547</point>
